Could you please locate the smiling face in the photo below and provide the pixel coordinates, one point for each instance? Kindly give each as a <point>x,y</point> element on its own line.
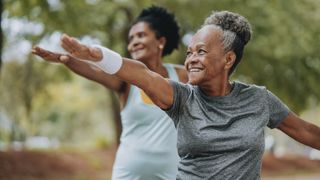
<point>143,43</point>
<point>206,59</point>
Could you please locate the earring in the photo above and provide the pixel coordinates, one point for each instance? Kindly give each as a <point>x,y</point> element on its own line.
<point>160,46</point>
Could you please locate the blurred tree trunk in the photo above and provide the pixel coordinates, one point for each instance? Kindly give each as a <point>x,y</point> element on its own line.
<point>116,115</point>
<point>27,94</point>
<point>1,35</point>
<point>114,99</point>
<point>125,31</point>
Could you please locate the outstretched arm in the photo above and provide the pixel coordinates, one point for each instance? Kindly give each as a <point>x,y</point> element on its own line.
<point>134,72</point>
<point>300,130</point>
<point>81,68</point>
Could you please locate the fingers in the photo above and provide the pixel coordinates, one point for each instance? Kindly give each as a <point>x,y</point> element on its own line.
<point>76,45</point>
<point>66,44</point>
<point>73,47</point>
<point>71,44</point>
<point>79,50</point>
<point>49,56</point>
<point>40,52</point>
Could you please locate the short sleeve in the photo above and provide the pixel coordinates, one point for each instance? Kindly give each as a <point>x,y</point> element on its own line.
<point>181,92</point>
<point>278,111</point>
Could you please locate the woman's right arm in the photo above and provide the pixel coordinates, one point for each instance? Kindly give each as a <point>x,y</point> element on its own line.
<point>81,68</point>
<point>133,72</point>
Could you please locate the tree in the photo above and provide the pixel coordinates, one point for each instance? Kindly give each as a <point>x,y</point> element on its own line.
<point>281,55</point>
<point>41,11</point>
<point>1,36</point>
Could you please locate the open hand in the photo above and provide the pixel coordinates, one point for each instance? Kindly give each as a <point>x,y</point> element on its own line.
<point>79,50</point>
<point>50,56</point>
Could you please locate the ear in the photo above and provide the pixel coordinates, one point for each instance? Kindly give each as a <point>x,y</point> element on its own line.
<point>230,59</point>
<point>162,42</point>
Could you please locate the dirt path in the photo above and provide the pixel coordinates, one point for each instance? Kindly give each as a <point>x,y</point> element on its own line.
<point>52,165</point>
<point>75,165</point>
<point>307,177</point>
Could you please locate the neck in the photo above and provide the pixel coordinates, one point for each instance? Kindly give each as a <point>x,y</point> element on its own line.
<point>218,87</point>
<point>155,65</point>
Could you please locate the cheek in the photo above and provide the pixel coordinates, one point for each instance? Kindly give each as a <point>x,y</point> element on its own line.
<point>153,46</point>
<point>129,46</point>
<point>151,42</point>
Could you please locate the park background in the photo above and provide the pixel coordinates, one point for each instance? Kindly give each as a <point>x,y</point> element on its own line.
<point>57,125</point>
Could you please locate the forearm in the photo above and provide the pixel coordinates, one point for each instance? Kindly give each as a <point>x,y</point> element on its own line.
<point>95,74</point>
<point>302,131</point>
<point>312,134</point>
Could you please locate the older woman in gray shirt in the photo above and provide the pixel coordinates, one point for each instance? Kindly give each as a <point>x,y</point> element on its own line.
<point>220,123</point>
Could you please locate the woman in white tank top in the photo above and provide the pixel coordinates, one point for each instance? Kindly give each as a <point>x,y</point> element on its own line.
<point>147,148</point>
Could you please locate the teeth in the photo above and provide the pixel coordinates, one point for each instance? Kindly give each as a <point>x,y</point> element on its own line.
<point>136,50</point>
<point>195,70</point>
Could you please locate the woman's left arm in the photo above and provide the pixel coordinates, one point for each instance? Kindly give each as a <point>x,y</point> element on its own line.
<point>300,130</point>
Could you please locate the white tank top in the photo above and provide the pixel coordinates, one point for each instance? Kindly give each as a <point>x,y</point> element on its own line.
<point>148,143</point>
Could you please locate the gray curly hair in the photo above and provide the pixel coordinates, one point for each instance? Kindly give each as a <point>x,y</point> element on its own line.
<point>236,32</point>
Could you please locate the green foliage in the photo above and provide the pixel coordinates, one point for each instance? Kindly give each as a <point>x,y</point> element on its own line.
<point>77,111</point>
<point>46,99</point>
<point>102,142</point>
<point>21,86</point>
<point>282,54</point>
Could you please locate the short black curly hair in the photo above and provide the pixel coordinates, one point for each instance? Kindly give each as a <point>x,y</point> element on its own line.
<point>236,29</point>
<point>164,25</point>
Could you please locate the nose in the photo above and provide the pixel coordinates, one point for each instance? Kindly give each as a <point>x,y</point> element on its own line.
<point>133,42</point>
<point>191,59</point>
<point>129,44</point>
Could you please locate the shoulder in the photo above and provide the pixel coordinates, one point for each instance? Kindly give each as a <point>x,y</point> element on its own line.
<point>247,86</point>
<point>182,92</point>
<point>182,72</point>
<point>181,87</point>
<point>252,89</point>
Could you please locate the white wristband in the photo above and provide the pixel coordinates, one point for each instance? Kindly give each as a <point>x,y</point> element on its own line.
<point>111,61</point>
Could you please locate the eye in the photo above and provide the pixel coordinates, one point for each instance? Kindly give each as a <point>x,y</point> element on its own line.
<point>189,53</point>
<point>202,52</point>
<point>141,34</point>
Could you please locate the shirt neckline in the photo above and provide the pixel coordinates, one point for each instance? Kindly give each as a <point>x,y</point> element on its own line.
<point>226,98</point>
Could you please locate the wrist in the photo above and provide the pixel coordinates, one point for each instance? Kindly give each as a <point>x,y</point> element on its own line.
<point>110,61</point>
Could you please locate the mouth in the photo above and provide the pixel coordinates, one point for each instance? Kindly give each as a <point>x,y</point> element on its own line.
<point>195,69</point>
<point>137,50</point>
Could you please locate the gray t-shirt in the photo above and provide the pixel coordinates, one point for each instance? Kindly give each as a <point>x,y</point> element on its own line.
<point>223,137</point>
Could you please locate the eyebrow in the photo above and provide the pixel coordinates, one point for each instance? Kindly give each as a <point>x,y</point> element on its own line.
<point>198,45</point>
<point>138,32</point>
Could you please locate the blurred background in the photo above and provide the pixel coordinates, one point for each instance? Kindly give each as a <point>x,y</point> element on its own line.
<point>57,125</point>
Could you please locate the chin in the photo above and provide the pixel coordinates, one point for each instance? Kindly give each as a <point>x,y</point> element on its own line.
<point>193,81</point>
<point>140,54</point>
<point>135,57</point>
